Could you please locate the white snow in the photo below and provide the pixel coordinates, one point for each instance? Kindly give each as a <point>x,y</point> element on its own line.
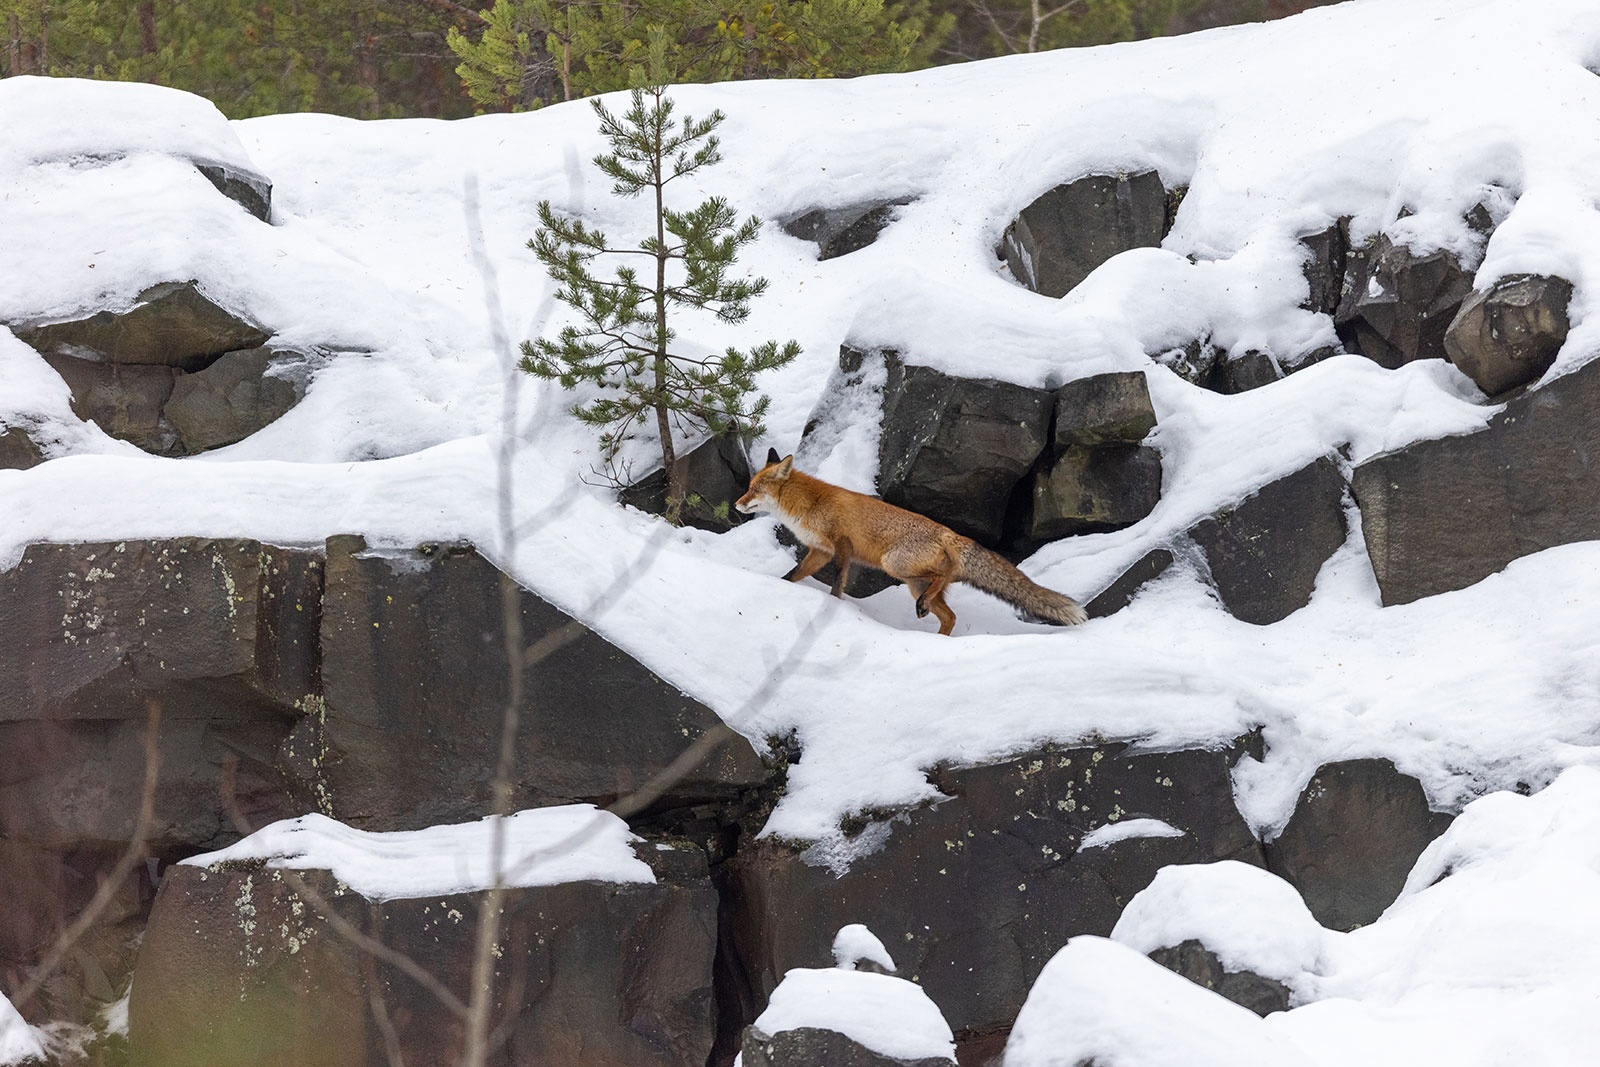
<point>1487,958</point>
<point>1252,919</point>
<point>19,1042</point>
<point>1414,108</point>
<point>544,846</point>
<point>1126,830</point>
<point>1100,1002</point>
<point>854,943</point>
<point>888,1015</point>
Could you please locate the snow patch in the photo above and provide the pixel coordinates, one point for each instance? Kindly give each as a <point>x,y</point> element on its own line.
<point>542,846</point>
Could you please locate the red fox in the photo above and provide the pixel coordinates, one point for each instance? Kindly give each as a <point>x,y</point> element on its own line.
<point>849,528</point>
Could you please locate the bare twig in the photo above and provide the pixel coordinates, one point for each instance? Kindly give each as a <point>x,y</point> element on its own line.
<point>380,1011</point>
<point>132,856</point>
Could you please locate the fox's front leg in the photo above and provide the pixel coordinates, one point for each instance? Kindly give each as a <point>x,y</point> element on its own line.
<point>815,560</point>
<point>843,553</point>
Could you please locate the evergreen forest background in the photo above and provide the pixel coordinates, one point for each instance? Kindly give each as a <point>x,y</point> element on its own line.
<point>452,58</point>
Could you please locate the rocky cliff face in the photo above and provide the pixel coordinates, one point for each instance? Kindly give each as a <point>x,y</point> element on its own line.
<point>370,685</point>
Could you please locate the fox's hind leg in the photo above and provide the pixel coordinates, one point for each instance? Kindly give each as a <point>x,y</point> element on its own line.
<point>941,611</point>
<point>933,593</point>
<point>917,587</point>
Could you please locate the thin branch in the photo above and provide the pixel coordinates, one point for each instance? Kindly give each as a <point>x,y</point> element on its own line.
<point>132,856</point>
<point>338,923</point>
<point>380,1012</point>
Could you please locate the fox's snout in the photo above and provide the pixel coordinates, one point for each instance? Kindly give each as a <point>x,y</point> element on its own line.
<point>747,504</point>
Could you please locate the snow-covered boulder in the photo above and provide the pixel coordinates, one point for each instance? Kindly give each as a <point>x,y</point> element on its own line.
<point>715,473</point>
<point>843,1017</point>
<point>1097,476</point>
<point>1399,302</point>
<point>233,397</point>
<point>973,894</point>
<point>74,121</point>
<point>1444,514</point>
<point>1060,238</point>
<point>174,324</point>
<point>1509,334</point>
<point>609,941</point>
<point>954,449</point>
<point>1228,926</point>
<point>1099,1002</point>
<point>414,683</point>
<point>173,372</point>
<point>1263,555</point>
<point>1357,829</point>
<point>838,231</point>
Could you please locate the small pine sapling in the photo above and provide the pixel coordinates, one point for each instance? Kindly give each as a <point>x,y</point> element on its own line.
<point>624,339</point>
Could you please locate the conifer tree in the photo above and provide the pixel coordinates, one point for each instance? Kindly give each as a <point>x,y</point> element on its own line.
<point>529,53</point>
<point>625,341</point>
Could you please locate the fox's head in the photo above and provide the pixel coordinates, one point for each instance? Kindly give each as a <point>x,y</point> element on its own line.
<point>766,485</point>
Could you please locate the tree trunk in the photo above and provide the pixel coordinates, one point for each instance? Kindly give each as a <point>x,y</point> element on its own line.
<point>367,75</point>
<point>147,27</point>
<point>669,458</point>
<point>14,46</point>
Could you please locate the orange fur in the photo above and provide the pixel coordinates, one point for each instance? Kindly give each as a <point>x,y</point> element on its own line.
<point>851,528</point>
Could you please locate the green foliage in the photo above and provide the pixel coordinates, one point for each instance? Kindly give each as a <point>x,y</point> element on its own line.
<point>624,341</point>
<point>365,58</point>
<point>535,52</point>
<point>998,27</point>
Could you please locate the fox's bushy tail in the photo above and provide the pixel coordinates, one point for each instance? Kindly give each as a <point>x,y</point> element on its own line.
<point>995,575</point>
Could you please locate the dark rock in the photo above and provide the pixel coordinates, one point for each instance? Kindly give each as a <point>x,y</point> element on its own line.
<point>18,451</point>
<point>78,784</point>
<point>249,190</point>
<point>954,449</point>
<point>1509,334</point>
<point>976,893</point>
<point>237,968</point>
<point>172,324</point>
<point>124,400</point>
<point>1202,967</point>
<point>1355,834</point>
<point>232,398</point>
<point>90,630</point>
<point>1090,488</point>
<point>1444,514</point>
<point>46,890</point>
<point>1324,268</point>
<point>809,1046</point>
<point>1399,310</point>
<point>1240,372</point>
<point>1195,362</point>
<point>1065,234</point>
<point>415,680</point>
<point>715,473</point>
<point>1120,593</point>
<point>1104,409</point>
<point>219,633</point>
<point>841,230</point>
<point>1264,553</point>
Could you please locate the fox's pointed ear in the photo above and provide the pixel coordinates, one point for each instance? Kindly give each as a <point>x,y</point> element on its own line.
<point>772,456</point>
<point>785,466</point>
